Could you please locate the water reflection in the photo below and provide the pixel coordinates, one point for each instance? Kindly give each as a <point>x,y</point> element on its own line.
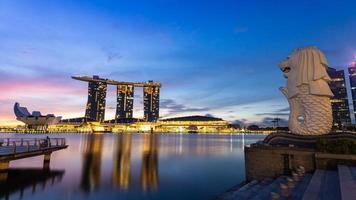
<point>92,156</point>
<point>19,180</point>
<point>141,166</point>
<point>121,162</point>
<point>149,167</point>
<point>91,168</point>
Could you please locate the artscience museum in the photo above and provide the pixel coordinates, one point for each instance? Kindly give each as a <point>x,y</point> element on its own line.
<point>35,119</point>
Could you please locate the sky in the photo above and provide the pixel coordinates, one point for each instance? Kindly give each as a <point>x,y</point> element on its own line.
<point>216,58</point>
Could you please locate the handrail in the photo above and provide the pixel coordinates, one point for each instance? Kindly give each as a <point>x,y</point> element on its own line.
<point>32,144</point>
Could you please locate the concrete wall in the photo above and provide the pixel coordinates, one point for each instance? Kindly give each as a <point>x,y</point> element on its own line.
<point>270,162</point>
<point>263,162</point>
<point>330,161</point>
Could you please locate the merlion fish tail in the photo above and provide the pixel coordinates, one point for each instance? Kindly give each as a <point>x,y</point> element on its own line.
<point>309,114</point>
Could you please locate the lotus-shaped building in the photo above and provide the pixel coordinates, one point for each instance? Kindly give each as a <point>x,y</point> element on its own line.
<point>36,119</point>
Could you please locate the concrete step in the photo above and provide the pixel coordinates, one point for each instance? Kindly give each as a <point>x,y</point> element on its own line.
<point>347,182</point>
<point>229,195</point>
<point>265,193</point>
<point>253,191</point>
<point>246,191</point>
<point>353,172</point>
<point>324,185</point>
<point>297,192</point>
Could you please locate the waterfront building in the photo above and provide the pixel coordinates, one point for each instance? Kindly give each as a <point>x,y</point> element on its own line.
<point>339,102</point>
<point>96,99</point>
<point>352,77</point>
<point>194,124</point>
<point>125,97</point>
<point>188,124</point>
<point>125,100</point>
<point>151,102</point>
<point>34,120</point>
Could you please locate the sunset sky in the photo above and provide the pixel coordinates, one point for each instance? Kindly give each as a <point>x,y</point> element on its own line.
<point>216,58</point>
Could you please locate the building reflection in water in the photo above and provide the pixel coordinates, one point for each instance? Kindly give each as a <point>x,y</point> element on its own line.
<point>121,162</point>
<point>149,166</point>
<point>93,145</point>
<point>19,180</point>
<point>121,171</point>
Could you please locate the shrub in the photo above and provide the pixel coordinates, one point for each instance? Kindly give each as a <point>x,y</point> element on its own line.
<point>338,146</point>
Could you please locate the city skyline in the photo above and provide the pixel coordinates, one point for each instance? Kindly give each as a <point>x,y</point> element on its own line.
<point>220,60</point>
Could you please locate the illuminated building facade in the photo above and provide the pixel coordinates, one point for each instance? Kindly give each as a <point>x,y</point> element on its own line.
<point>125,100</point>
<point>95,109</point>
<point>339,103</point>
<point>352,77</point>
<point>151,103</point>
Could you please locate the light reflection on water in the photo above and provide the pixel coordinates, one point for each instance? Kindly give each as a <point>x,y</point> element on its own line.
<point>139,166</point>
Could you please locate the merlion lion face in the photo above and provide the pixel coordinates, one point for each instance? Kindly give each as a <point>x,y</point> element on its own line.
<point>306,66</point>
<point>307,91</point>
<point>285,67</point>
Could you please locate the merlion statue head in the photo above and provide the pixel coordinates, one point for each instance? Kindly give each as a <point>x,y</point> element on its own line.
<point>307,66</point>
<point>308,91</point>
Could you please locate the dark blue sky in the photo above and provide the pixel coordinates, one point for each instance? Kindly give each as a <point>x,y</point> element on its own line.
<point>212,57</point>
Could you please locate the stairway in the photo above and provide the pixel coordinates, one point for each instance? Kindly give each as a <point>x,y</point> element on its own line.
<point>347,180</point>
<point>337,184</point>
<point>324,185</point>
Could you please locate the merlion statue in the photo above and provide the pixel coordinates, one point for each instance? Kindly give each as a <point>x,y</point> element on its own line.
<point>308,92</point>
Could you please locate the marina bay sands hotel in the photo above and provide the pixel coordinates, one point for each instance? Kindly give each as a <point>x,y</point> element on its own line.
<point>97,87</point>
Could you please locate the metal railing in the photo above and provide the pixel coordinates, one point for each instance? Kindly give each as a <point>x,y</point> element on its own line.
<point>30,144</point>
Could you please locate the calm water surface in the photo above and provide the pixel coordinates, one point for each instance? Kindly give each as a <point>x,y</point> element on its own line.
<point>133,166</point>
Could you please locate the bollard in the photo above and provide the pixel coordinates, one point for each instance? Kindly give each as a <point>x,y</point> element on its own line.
<point>290,183</point>
<point>302,169</point>
<point>14,144</point>
<point>274,196</point>
<point>284,190</point>
<point>295,177</point>
<point>28,146</point>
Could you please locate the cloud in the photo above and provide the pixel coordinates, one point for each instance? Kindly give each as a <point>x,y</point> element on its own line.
<point>278,112</point>
<point>241,122</point>
<point>273,114</point>
<point>209,115</point>
<point>111,54</point>
<point>286,109</point>
<point>48,96</point>
<point>268,121</point>
<point>174,107</point>
<point>35,88</point>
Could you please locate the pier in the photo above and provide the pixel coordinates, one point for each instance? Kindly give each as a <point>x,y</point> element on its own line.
<point>19,148</point>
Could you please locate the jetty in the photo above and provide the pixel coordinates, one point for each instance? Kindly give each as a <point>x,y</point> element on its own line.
<point>19,148</point>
